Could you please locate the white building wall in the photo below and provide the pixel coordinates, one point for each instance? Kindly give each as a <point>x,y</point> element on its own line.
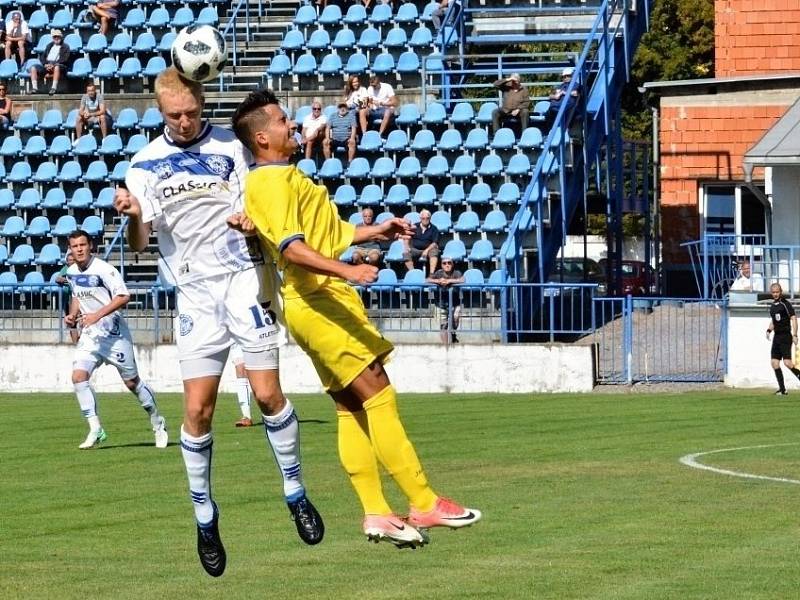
<point>786,206</point>
<point>749,350</point>
<point>462,368</point>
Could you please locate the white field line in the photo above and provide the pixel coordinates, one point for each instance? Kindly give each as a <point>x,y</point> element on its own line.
<point>690,461</point>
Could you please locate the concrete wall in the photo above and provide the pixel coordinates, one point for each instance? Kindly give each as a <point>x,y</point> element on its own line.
<point>786,205</point>
<point>749,349</point>
<point>460,368</point>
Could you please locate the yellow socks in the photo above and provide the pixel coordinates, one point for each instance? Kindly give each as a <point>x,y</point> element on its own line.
<point>358,460</point>
<point>394,450</point>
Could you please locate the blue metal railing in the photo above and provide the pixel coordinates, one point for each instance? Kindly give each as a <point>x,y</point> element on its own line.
<point>232,35</point>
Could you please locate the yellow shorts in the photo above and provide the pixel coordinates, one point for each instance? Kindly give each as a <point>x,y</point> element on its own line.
<point>332,327</point>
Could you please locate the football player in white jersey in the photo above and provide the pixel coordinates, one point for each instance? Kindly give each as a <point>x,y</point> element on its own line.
<point>98,294</point>
<point>187,186</point>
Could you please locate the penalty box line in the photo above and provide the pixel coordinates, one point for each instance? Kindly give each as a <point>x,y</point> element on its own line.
<point>690,460</point>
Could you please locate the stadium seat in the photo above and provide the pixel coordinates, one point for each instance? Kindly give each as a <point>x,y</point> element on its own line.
<point>479,194</point>
<point>331,64</point>
<point>409,115</point>
<point>396,39</point>
<point>120,44</point>
<point>154,66</point>
<point>295,40</point>
<point>540,110</point>
<point>370,142</point>
<point>64,226</point>
<point>301,113</point>
<point>7,199</point>
<point>42,43</point>
<point>331,169</point>
<point>397,141</point>
<point>183,17</point>
<point>371,195</point>
<point>279,66</point>
<point>38,227</point>
<point>158,18</point>
<point>306,64</point>
<point>52,120</point>
<point>423,141</point>
<point>450,141</point>
<point>441,218</point>
<point>134,19</point>
<point>22,256</point>
<point>473,279</point>
<point>54,199</point>
<point>20,172</point>
<point>427,10</point>
<point>421,38</point>
<point>495,222</point>
<point>166,41</point>
<point>384,216</point>
<point>383,168</point>
<point>319,40</point>
<point>70,172</point>
<point>105,199</point>
<point>8,68</point>
<point>477,139</point>
<point>151,119</point>
<point>518,165</point>
<point>81,198</point>
<point>356,64</point>
<point>27,120</point>
<point>29,199</point>
<point>412,217</point>
<point>307,166</point>
<point>3,253</point>
<point>383,63</point>
<point>208,16</point>
<point>355,219</point>
<point>331,15</point>
<point>398,195</point>
<point>345,195</point>
<point>407,63</point>
<point>60,146</point>
<point>126,119</point>
<point>13,227</point>
<point>491,166</point>
<point>358,168</point>
<point>96,44</point>
<point>74,41</point>
<point>434,63</point>
<point>437,167</point>
<point>50,254</point>
<point>33,282</point>
<point>70,120</point>
<point>62,18</point>
<point>381,14</point>
<point>435,114</point>
<point>344,39</point>
<point>46,172</point>
<point>481,251</point>
<point>117,173</point>
<point>454,249</point>
<point>81,68</point>
<point>453,195</point>
<point>38,20</point>
<point>462,114</point>
<point>111,145</point>
<point>425,195</point>
<point>86,145</point>
<point>96,171</point>
<point>484,116</point>
<point>135,143</point>
<point>464,166</point>
<point>530,139</point>
<point>93,225</point>
<point>356,15</point>
<point>407,14</point>
<point>503,139</point>
<point>395,252</point>
<point>107,68</point>
<point>306,15</point>
<point>468,222</point>
<point>347,255</point>
<point>35,146</point>
<point>8,280</point>
<point>409,168</point>
<point>11,147</point>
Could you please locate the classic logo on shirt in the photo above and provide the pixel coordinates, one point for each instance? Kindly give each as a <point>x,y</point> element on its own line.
<point>186,324</point>
<point>164,170</point>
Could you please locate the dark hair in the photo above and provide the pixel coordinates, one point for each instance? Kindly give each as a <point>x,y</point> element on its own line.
<point>248,117</point>
<point>80,233</point>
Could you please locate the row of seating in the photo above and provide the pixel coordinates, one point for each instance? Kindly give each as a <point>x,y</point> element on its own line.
<point>122,43</point>
<point>27,6</point>
<point>295,41</point>
<point>83,68</point>
<point>61,146</point>
<point>69,172</point>
<point>53,120</point>
<point>452,140</point>
<point>468,221</point>
<point>33,282</point>
<point>414,280</point>
<point>134,18</point>
<point>40,227</point>
<point>356,15</point>
<point>54,199</point>
<point>306,65</point>
<point>426,196</point>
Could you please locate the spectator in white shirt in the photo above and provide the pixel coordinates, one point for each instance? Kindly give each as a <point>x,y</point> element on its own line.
<point>381,104</point>
<point>747,281</point>
<point>314,128</point>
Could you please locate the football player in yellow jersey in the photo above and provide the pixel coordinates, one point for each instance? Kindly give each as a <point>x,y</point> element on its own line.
<point>300,226</point>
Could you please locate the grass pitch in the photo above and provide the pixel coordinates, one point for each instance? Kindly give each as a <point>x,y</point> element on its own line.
<point>583,497</point>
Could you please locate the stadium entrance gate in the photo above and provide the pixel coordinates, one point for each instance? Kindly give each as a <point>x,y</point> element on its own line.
<point>660,340</point>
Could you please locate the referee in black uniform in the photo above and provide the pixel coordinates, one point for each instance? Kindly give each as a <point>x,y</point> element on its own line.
<point>784,323</point>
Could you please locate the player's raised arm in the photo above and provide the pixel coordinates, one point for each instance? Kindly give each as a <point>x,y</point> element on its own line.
<point>138,231</point>
<point>302,255</point>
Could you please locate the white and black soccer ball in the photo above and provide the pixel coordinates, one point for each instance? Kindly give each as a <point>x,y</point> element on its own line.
<point>199,52</point>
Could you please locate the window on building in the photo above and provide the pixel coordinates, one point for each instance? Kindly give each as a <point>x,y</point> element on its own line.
<point>731,209</point>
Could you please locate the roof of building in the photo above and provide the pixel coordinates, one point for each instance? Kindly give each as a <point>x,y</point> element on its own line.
<point>779,146</point>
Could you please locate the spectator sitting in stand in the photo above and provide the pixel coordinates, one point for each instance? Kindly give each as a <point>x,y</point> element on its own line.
<point>314,128</point>
<point>53,62</point>
<point>6,105</point>
<point>18,36</point>
<point>92,111</point>
<point>516,102</point>
<point>424,244</point>
<point>356,95</point>
<point>341,133</point>
<point>438,13</point>
<point>381,104</point>
<point>105,11</point>
<point>370,251</point>
<point>448,302</point>
<point>557,97</point>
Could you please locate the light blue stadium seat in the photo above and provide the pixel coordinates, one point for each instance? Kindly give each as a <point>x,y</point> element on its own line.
<point>3,254</point>
<point>397,141</point>
<point>381,14</point>
<point>463,114</point>
<point>134,19</point>
<point>530,139</point>
<point>54,199</point>
<point>306,15</point>
<point>423,141</point>
<point>22,256</point>
<point>371,195</point>
<point>519,164</point>
<point>425,195</point>
<point>183,16</point>
<point>60,146</point>
<point>44,40</point>
<point>81,198</point>
<point>154,66</point>
<point>484,116</point>
<point>421,38</point>
<point>93,225</point>
<point>135,143</point>
<point>52,120</point>
<point>62,19</point>
<point>427,10</point>
<point>356,15</point>
<point>120,44</point>
<point>13,227</point>
<point>96,44</point>
<point>33,283</point>
<point>86,145</point>
<point>8,68</point>
<point>27,120</point>
<point>383,63</point>
<point>398,195</point>
<point>453,195</point>
<point>158,18</point>
<point>8,280</point>
<point>407,14</point>
<point>358,168</point>
<point>395,39</point>
<point>117,174</point>
<point>11,147</point>
<point>65,225</point>
<point>395,252</point>
<point>307,166</point>
<point>503,139</point>
<point>441,218</point>
<point>434,62</point>
<point>166,41</point>
<point>454,249</point>
<point>473,279</point>
<point>127,118</point>
<point>74,41</point>
<point>208,16</point>
<point>477,139</point>
<point>38,227</point>
<point>448,35</point>
<point>279,66</point>
<point>495,222</point>
<point>111,145</point>
<point>7,199</point>
<point>70,120</point>
<point>50,254</point>
<point>408,62</point>
<point>331,169</point>
<point>319,40</point>
<point>437,167</point>
<point>306,64</point>
<point>540,110</point>
<point>20,172</point>
<point>480,194</point>
<point>81,68</point>
<point>344,40</point>
<point>468,222</point>
<point>491,166</point>
<point>383,168</point>
<point>46,172</point>
<point>464,166</point>
<point>356,64</point>
<point>345,195</point>
<point>347,255</point>
<point>355,219</point>
<point>450,141</point>
<point>107,68</point>
<point>301,114</point>
<point>527,222</point>
<point>384,216</point>
<point>409,115</point>
<point>39,19</point>
<point>412,217</point>
<point>409,168</point>
<point>413,280</point>
<point>105,199</point>
<point>28,199</point>
<point>70,171</point>
<point>331,15</point>
<point>370,142</point>
<point>151,119</point>
<point>435,114</point>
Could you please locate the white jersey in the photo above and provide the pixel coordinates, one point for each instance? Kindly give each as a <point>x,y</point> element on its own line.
<point>95,287</point>
<point>187,191</point>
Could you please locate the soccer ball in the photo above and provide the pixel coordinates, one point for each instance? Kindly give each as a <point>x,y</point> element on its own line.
<point>199,52</point>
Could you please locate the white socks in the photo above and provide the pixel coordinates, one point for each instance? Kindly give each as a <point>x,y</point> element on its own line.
<point>283,435</point>
<point>243,396</point>
<point>148,401</point>
<point>88,403</point>
<point>197,458</point>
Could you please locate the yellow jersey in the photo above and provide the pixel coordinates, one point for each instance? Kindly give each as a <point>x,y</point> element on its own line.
<point>285,206</point>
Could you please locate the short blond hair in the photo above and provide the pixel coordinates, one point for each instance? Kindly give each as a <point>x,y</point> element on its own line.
<point>170,80</point>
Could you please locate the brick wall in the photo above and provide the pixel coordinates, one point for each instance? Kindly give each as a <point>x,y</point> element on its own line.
<point>756,36</point>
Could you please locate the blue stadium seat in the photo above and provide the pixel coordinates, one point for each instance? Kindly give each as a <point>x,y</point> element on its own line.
<point>120,44</point>
<point>54,199</point>
<point>437,167</point>
<point>42,43</point>
<point>383,63</point>
<point>96,44</point>
<point>158,18</point>
<point>491,165</point>
<point>208,16</point>
<point>540,110</point>
<point>408,62</point>
<point>70,171</point>
<point>74,41</point>
<point>279,66</point>
<point>407,14</point>
<point>27,120</point>
<point>331,15</point>
<point>8,68</point>
<point>306,15</point>
<point>145,43</point>
<point>111,145</point>
<point>358,168</point>
<point>118,173</point>
<point>307,166</point>
<point>344,40</point>
<point>183,17</point>
<point>381,14</point>
<point>60,146</point>
<point>13,227</point>
<point>11,147</point>
<point>454,249</point>
<point>462,114</point>
<point>38,227</point>
<point>421,38</point>
<point>495,222</point>
<point>135,143</point>
<point>39,19</point>
<point>397,141</point>
<point>434,62</point>
<point>479,194</point>
<point>64,226</point>
<point>485,113</point>
<point>409,168</point>
<point>453,195</point>
<point>28,199</point>
<point>530,139</point>
<point>425,195</point>
<point>427,10</point>
<point>70,120</point>
<point>468,222</point>
<point>62,19</point>
<point>20,172</point>
<point>450,141</point>
<point>35,146</point>
<point>356,15</point>
<point>86,145</point>
<point>413,280</point>
<point>3,253</point>
<point>423,141</point>
<point>8,281</point>
<point>408,115</point>
<point>46,172</point>
<point>154,66</point>
<point>166,41</point>
<point>7,198</point>
<point>301,113</point>
<point>345,195</point>
<point>81,68</point>
<point>331,169</point>
<point>473,279</point>
<point>464,166</point>
<point>370,142</point>
<point>151,119</point>
<point>371,195</point>
<point>412,217</point>
<point>518,165</point>
<point>93,225</point>
<point>441,218</point>
<point>435,114</point>
<point>383,168</point>
<point>356,64</point>
<point>33,283</point>
<point>384,216</point>
<point>477,139</point>
<point>52,120</point>
<point>127,118</point>
<point>81,198</point>
<point>305,64</point>
<point>395,252</point>
<point>355,219</point>
<point>134,19</point>
<point>50,254</point>
<point>395,39</point>
<point>319,40</point>
<point>503,139</point>
<point>105,199</point>
<point>398,195</point>
<point>22,256</point>
<point>448,35</point>
<point>107,68</point>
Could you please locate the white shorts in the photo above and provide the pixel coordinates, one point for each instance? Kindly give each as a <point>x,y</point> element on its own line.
<point>215,312</point>
<point>116,351</point>
<point>236,356</point>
